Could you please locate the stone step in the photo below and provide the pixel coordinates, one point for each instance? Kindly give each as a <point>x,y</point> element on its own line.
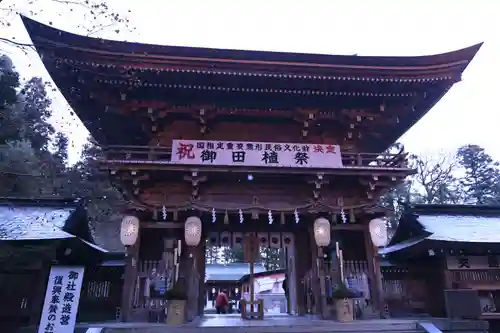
<point>276,326</point>
<point>290,324</point>
<point>263,329</point>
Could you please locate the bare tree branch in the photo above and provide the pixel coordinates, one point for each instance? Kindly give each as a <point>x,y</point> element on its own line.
<point>92,16</point>
<point>76,3</point>
<point>435,177</point>
<point>10,41</point>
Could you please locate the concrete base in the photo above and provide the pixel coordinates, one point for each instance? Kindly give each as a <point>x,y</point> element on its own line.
<point>292,324</point>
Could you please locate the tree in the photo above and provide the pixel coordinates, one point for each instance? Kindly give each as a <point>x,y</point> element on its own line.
<point>481,178</point>
<point>9,82</point>
<point>211,254</point>
<point>35,114</point>
<point>60,147</point>
<point>24,143</point>
<point>28,168</point>
<point>103,201</point>
<point>271,258</point>
<point>435,180</point>
<point>232,255</point>
<point>90,16</point>
<point>19,170</point>
<point>395,199</point>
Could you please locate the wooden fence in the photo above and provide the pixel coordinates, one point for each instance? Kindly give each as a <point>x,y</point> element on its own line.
<point>101,294</point>
<point>18,296</point>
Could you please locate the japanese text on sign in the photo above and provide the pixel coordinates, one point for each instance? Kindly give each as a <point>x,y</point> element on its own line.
<point>229,153</point>
<point>61,300</point>
<point>472,262</point>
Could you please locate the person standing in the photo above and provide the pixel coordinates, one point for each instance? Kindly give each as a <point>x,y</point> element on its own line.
<point>221,302</point>
<point>284,285</point>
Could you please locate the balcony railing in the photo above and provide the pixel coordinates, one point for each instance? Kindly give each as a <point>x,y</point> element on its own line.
<point>162,155</point>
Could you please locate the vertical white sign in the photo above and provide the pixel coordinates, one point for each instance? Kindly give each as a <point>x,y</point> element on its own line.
<point>61,299</point>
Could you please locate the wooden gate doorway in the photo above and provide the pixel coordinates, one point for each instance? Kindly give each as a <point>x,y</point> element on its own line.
<point>225,269</point>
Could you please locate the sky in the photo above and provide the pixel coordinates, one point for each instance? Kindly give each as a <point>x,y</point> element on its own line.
<point>467,114</point>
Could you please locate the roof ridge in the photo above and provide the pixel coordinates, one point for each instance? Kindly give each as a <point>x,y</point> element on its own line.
<point>41,33</point>
<point>49,202</point>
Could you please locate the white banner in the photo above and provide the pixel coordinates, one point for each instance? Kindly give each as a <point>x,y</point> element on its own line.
<point>266,154</point>
<point>61,300</point>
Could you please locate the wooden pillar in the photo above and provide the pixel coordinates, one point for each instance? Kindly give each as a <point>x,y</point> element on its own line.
<point>374,273</point>
<point>336,260</point>
<point>316,276</point>
<point>302,259</point>
<point>129,280</point>
<point>200,266</point>
<point>448,278</point>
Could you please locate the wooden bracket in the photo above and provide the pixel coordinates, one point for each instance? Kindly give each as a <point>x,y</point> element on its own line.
<point>318,183</point>
<point>195,180</point>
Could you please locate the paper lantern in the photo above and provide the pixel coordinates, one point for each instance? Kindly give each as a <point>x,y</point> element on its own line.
<point>192,231</point>
<point>129,230</point>
<point>378,232</point>
<point>322,231</point>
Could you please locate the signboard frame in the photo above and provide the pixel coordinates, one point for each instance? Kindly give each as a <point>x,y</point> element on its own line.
<point>256,154</point>
<point>62,298</point>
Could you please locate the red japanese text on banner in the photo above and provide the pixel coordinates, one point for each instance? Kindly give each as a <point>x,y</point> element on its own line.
<point>245,153</point>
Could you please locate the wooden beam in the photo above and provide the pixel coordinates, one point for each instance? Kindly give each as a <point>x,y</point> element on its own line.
<point>136,165</point>
<point>357,227</point>
<point>161,225</point>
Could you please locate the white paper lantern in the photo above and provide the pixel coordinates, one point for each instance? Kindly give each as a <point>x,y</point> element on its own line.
<point>192,231</point>
<point>322,232</point>
<point>378,232</point>
<point>129,230</point>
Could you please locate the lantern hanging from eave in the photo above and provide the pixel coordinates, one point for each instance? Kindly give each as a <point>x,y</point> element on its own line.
<point>322,232</point>
<point>192,231</point>
<point>378,232</point>
<point>129,231</point>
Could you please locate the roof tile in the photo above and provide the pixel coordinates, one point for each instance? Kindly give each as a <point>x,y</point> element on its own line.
<point>462,228</point>
<point>33,223</point>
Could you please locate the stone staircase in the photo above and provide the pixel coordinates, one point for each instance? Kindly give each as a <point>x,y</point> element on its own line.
<point>310,326</point>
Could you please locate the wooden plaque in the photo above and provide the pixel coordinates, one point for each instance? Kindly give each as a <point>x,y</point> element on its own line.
<point>250,248</point>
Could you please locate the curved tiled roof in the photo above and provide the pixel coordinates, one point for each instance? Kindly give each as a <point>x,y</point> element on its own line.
<point>476,225</point>
<point>44,36</point>
<point>106,81</point>
<point>42,220</point>
<point>37,220</point>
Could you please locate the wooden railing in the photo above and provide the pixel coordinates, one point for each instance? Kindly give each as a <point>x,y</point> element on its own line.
<point>147,308</point>
<point>162,155</point>
<point>101,294</point>
<point>479,275</point>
